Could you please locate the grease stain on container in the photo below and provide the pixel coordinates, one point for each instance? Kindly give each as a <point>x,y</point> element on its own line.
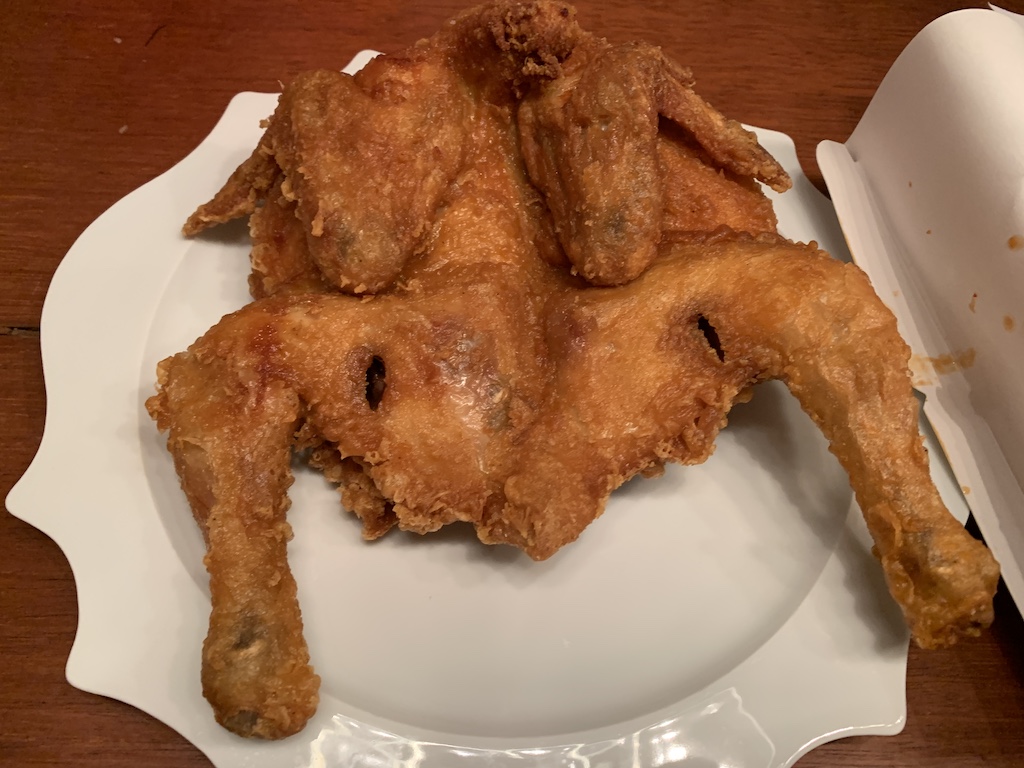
<point>926,370</point>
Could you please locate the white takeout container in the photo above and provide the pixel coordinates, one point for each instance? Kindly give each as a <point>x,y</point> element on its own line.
<point>929,190</point>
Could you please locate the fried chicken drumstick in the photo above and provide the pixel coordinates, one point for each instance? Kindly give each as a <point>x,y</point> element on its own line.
<point>569,290</point>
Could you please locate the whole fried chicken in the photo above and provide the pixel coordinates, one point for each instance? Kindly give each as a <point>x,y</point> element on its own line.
<point>566,273</point>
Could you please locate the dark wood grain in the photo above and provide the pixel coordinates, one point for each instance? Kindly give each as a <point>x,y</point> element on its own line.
<point>99,97</point>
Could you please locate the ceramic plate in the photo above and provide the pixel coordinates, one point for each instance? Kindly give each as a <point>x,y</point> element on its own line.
<point>723,615</point>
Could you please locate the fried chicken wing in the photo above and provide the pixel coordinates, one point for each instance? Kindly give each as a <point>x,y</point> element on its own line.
<point>591,142</point>
<point>241,194</point>
<point>701,198</point>
<point>371,160</point>
<point>567,273</point>
<point>281,260</point>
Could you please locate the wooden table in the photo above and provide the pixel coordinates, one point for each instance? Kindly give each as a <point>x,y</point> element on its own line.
<point>97,98</point>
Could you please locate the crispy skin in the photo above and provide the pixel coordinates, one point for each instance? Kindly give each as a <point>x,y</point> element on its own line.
<point>591,142</point>
<point>371,160</point>
<point>463,365</point>
<point>479,424</point>
<point>700,198</point>
<point>488,381</point>
<point>233,456</point>
<point>281,261</point>
<point>242,192</point>
<point>423,449</point>
<point>777,311</point>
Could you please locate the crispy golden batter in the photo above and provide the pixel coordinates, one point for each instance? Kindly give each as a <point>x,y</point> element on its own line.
<point>370,161</point>
<point>479,183</point>
<point>281,261</point>
<point>477,423</point>
<point>256,672</point>
<point>699,197</point>
<point>590,140</point>
<point>680,343</point>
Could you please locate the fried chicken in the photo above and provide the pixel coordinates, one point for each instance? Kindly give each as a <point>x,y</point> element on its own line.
<point>677,347</point>
<point>370,160</point>
<point>574,276</point>
<point>590,140</point>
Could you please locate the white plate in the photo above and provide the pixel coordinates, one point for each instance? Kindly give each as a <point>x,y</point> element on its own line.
<point>754,625</point>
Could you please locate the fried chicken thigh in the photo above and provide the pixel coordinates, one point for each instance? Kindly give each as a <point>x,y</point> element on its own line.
<point>566,275</point>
